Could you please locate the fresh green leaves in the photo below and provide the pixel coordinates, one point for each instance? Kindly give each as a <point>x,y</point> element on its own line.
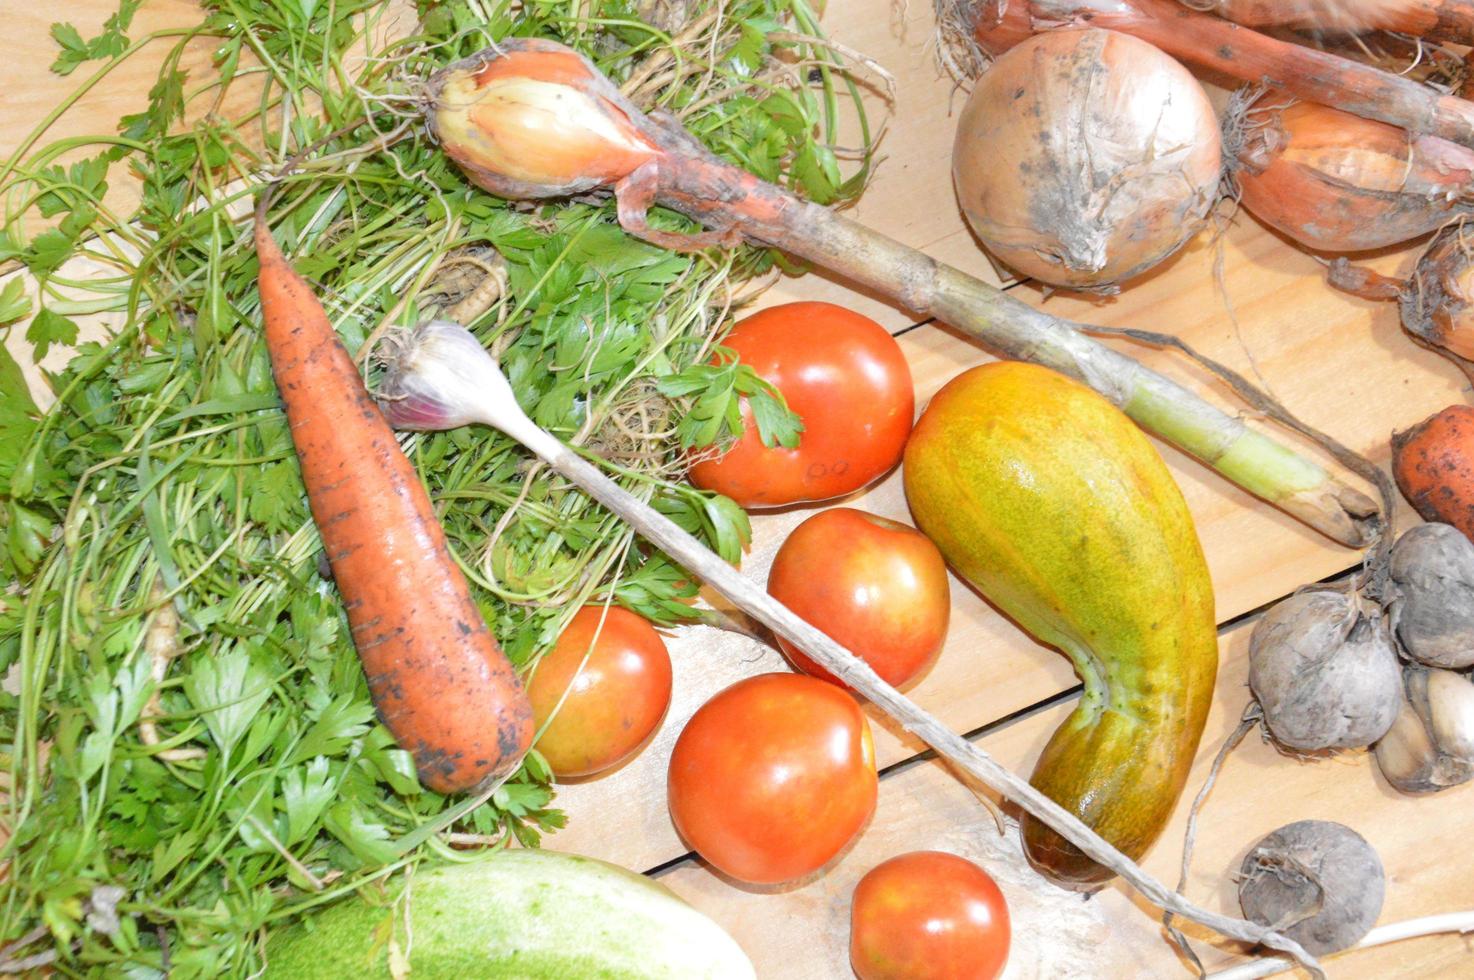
<point>49,328</point>
<point>225,796</point>
<point>717,393</point>
<point>14,303</point>
<point>228,690</point>
<point>111,42</point>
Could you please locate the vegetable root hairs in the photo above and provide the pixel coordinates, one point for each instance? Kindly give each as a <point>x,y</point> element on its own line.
<point>1253,714</point>
<point>1216,45</point>
<point>161,643</point>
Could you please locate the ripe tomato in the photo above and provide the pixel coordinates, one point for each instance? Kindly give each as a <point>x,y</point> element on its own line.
<point>928,915</point>
<point>616,697</point>
<point>876,586</point>
<point>849,382</point>
<point>773,777</point>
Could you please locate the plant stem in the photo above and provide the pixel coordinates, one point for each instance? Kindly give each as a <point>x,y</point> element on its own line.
<point>1442,20</point>
<point>755,601</point>
<point>1428,925</point>
<point>1216,45</point>
<point>722,196</point>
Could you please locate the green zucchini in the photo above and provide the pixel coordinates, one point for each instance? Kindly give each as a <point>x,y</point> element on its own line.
<point>524,914</point>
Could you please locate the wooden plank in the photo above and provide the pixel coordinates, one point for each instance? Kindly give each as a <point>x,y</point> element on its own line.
<point>802,932</point>
<point>1342,362</point>
<point>32,90</point>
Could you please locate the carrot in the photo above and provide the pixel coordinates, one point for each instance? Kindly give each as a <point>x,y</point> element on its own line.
<point>1434,466</point>
<point>439,681</point>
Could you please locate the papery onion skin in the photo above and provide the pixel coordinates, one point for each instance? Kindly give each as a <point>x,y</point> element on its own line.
<point>1324,672</point>
<point>1336,182</point>
<point>1438,306</point>
<point>536,121</point>
<point>1449,20</point>
<point>1084,158</point>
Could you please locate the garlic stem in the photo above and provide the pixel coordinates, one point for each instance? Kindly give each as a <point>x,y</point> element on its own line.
<point>495,405</point>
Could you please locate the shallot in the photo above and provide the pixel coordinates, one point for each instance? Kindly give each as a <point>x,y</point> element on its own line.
<point>1432,570</point>
<point>1438,302</point>
<point>1334,181</point>
<point>1319,881</point>
<point>1444,20</point>
<point>1430,746</point>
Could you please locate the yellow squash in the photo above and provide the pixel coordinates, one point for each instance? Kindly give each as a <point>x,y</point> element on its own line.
<point>1052,503</point>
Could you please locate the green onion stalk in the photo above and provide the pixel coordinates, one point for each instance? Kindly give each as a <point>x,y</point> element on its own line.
<point>531,119</point>
<point>190,754</point>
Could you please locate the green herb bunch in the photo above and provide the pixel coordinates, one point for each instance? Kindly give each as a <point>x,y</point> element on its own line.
<point>191,753</point>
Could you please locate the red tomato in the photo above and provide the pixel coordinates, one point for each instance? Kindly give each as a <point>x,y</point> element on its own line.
<point>773,777</point>
<point>849,382</point>
<point>876,586</point>
<point>615,698</point>
<point>928,915</point>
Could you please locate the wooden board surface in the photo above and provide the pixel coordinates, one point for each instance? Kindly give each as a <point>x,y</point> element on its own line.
<point>1343,364</point>
<point>803,933</point>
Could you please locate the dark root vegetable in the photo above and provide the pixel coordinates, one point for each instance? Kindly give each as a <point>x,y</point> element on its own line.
<point>1324,671</point>
<point>1336,182</point>
<point>1319,881</point>
<point>1433,463</point>
<point>1438,303</point>
<point>1431,745</point>
<point>1433,611</point>
<point>1084,158</point>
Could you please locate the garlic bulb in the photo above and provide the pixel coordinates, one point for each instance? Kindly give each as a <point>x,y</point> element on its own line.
<point>1433,614</point>
<point>1430,746</point>
<point>438,376</point>
<point>1324,672</point>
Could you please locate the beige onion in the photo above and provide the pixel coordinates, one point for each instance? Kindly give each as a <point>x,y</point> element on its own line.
<point>1085,157</point>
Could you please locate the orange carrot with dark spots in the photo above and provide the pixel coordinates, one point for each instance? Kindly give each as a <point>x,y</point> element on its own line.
<point>439,681</point>
<point>1434,466</point>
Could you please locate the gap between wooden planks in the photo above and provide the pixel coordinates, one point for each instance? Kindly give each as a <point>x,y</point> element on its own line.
<point>1342,363</point>
<point>802,933</point>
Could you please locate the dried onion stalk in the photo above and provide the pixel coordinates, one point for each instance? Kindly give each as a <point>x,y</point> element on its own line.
<point>1444,20</point>
<point>684,176</point>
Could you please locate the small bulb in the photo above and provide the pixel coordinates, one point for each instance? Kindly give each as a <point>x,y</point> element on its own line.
<point>1434,718</point>
<point>533,119</point>
<point>1447,706</point>
<point>438,376</point>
